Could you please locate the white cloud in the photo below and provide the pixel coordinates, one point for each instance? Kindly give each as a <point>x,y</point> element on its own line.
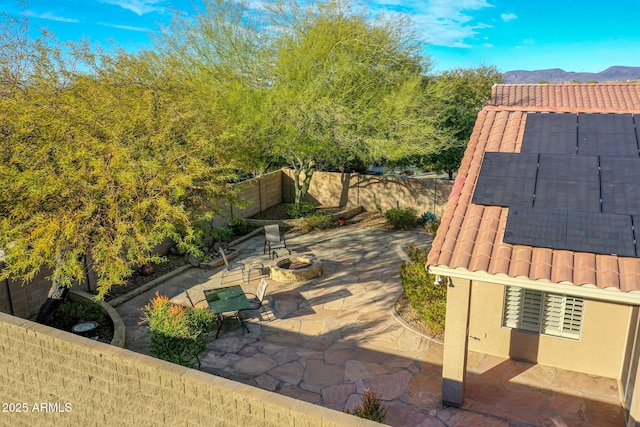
<point>139,7</point>
<point>51,17</point>
<point>506,17</point>
<point>125,27</point>
<point>442,22</point>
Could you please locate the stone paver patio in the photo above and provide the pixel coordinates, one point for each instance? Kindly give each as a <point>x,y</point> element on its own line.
<point>330,338</point>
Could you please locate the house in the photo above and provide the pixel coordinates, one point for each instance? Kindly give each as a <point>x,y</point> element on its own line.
<point>537,243</point>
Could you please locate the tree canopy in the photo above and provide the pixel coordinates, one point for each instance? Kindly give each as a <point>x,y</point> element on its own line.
<point>104,162</point>
<point>326,85</point>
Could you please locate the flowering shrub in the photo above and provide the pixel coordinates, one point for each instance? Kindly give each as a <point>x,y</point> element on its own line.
<point>371,408</point>
<point>427,299</point>
<point>178,334</point>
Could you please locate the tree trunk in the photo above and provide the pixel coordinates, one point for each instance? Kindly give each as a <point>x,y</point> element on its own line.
<point>308,168</point>
<point>450,174</point>
<point>55,298</point>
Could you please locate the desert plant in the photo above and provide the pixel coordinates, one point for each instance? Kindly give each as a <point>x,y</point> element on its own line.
<point>316,221</point>
<point>426,218</point>
<point>371,407</point>
<point>178,333</point>
<point>377,205</point>
<point>240,226</point>
<point>299,210</point>
<point>222,234</point>
<point>74,312</point>
<point>428,299</point>
<point>402,218</point>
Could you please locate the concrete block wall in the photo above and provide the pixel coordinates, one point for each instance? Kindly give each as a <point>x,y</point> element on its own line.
<point>51,377</point>
<point>24,300</point>
<point>255,195</point>
<point>337,189</point>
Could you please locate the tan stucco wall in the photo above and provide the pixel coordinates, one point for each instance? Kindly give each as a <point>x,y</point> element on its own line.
<point>50,377</point>
<point>600,350</point>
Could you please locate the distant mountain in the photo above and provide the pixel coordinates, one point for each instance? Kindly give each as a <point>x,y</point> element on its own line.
<point>557,75</point>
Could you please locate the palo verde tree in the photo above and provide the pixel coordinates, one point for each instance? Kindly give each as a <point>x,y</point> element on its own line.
<point>102,163</point>
<point>312,85</point>
<point>456,97</point>
<point>346,88</point>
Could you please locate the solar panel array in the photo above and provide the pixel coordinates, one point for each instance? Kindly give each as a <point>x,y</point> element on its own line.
<point>575,185</point>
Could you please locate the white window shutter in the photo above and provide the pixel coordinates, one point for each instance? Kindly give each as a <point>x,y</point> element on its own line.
<point>512,307</point>
<point>572,321</point>
<point>553,314</point>
<point>531,311</point>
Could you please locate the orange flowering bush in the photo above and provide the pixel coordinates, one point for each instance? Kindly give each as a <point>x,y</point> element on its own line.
<point>178,334</point>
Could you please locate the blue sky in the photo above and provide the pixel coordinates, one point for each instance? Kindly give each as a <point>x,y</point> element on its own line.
<point>510,34</point>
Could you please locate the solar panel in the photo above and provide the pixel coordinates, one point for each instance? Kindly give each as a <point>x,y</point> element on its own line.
<point>636,224</point>
<point>586,201</point>
<point>607,135</point>
<point>600,233</point>
<point>536,227</point>
<point>550,133</point>
<point>506,179</point>
<point>620,185</point>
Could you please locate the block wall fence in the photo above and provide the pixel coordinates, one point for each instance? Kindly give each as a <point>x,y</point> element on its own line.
<point>330,189</point>
<point>51,377</point>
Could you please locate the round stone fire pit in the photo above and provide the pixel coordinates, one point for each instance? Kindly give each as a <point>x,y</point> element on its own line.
<point>296,269</point>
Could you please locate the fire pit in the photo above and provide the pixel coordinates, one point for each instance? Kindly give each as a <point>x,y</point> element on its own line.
<point>296,269</point>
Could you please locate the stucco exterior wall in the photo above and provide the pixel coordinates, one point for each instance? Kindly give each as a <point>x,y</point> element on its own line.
<point>600,350</point>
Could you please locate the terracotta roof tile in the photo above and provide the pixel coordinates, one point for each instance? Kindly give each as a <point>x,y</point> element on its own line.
<point>601,97</point>
<point>470,236</point>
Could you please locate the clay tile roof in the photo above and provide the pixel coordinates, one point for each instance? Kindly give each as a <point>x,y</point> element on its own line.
<point>470,237</point>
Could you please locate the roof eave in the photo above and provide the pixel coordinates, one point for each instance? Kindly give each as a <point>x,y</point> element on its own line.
<point>611,294</point>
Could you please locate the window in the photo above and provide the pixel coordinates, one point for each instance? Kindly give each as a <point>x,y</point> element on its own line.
<point>543,313</point>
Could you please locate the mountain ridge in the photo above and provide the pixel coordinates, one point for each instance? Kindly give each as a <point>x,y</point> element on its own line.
<point>558,75</point>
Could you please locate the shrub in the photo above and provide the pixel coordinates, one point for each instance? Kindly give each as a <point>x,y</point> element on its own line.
<point>73,312</point>
<point>427,299</point>
<point>299,210</point>
<point>402,218</point>
<point>222,234</point>
<point>427,217</point>
<point>240,226</point>
<point>178,334</point>
<point>371,408</point>
<point>317,221</point>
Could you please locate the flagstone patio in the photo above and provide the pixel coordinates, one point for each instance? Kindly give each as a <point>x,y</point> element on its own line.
<point>324,341</point>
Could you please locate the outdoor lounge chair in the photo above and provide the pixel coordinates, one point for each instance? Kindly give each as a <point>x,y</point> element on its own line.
<point>229,267</point>
<point>273,240</point>
<point>256,300</point>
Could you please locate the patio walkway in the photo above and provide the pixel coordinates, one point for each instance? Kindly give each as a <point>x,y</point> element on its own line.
<point>334,336</point>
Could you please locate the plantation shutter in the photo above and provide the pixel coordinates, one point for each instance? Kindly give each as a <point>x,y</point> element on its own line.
<point>522,309</point>
<point>531,311</point>
<point>512,304</point>
<point>572,321</point>
<point>553,315</point>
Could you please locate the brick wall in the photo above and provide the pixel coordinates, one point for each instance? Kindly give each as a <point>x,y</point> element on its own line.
<point>336,189</point>
<point>83,382</point>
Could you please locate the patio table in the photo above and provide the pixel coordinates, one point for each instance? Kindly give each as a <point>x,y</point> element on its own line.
<point>230,299</point>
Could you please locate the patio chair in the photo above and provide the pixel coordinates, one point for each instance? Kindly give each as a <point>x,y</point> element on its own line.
<point>273,240</point>
<point>256,300</point>
<point>229,267</point>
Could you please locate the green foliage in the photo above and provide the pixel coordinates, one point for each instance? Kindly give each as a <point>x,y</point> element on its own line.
<point>371,407</point>
<point>427,299</point>
<point>73,312</point>
<point>240,226</point>
<point>108,158</point>
<point>178,334</point>
<point>377,205</point>
<point>223,234</point>
<point>457,96</point>
<point>402,218</point>
<point>300,210</point>
<point>316,222</point>
<point>430,222</point>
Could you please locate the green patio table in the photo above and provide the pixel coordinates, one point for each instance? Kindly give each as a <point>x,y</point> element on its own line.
<point>230,299</point>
